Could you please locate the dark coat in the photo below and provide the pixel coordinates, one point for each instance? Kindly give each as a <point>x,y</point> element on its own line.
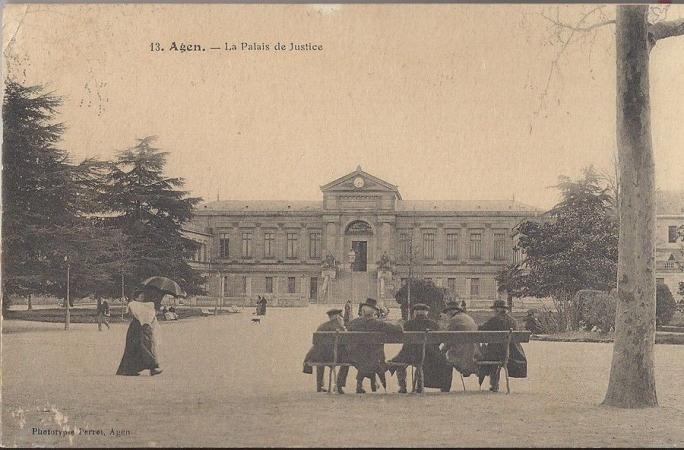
<point>437,373</point>
<point>463,357</point>
<point>321,353</point>
<point>140,352</point>
<point>517,362</point>
<point>367,356</point>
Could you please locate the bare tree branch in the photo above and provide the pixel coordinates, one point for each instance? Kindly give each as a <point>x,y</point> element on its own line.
<point>666,29</point>
<point>578,27</point>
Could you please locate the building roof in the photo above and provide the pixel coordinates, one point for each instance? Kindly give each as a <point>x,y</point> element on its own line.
<point>261,205</point>
<point>464,205</point>
<point>670,203</point>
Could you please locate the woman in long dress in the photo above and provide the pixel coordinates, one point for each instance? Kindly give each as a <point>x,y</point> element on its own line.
<point>142,338</point>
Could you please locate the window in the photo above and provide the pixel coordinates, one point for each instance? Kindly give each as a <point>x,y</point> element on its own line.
<point>292,245</point>
<point>452,246</point>
<point>517,254</point>
<point>405,244</point>
<point>291,285</point>
<point>451,285</point>
<point>269,285</point>
<point>269,244</point>
<point>474,287</point>
<point>669,265</point>
<point>243,284</point>
<point>226,286</point>
<point>247,244</point>
<point>672,234</point>
<point>428,245</point>
<point>476,245</point>
<point>203,252</point>
<point>224,244</point>
<point>499,246</point>
<point>315,245</point>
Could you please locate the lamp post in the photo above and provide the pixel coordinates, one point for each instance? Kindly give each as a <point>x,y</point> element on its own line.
<point>352,258</point>
<point>67,316</point>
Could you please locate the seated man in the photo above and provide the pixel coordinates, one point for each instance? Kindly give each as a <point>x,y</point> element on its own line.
<point>517,362</point>
<point>437,372</point>
<point>462,357</point>
<point>368,357</point>
<point>324,352</point>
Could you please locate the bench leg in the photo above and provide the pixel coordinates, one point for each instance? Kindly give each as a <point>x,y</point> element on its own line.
<point>508,387</point>
<point>330,377</point>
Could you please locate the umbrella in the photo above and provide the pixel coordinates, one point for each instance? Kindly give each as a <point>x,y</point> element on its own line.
<point>166,285</point>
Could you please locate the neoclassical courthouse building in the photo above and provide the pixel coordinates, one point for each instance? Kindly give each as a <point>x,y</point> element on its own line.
<point>365,240</point>
<point>362,240</point>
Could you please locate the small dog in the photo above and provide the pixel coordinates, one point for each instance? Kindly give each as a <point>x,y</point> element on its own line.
<point>256,320</point>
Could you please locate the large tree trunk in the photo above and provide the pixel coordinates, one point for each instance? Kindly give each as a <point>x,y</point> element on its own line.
<point>632,380</point>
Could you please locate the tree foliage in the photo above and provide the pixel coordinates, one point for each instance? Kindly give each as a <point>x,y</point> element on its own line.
<point>572,247</point>
<point>46,199</point>
<point>665,304</point>
<point>150,210</point>
<point>106,221</point>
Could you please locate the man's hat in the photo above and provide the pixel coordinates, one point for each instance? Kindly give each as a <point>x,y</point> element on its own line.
<point>499,304</point>
<point>334,311</point>
<point>452,306</point>
<point>373,303</point>
<point>421,307</point>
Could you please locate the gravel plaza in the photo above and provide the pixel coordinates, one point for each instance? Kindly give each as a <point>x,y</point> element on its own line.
<point>229,382</point>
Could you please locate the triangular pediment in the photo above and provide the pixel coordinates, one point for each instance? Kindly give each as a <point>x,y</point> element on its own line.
<point>360,181</point>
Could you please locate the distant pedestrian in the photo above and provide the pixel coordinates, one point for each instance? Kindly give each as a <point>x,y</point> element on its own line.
<point>261,306</point>
<point>347,312</point>
<point>103,314</point>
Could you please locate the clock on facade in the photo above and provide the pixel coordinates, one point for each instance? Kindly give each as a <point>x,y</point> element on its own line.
<point>358,182</point>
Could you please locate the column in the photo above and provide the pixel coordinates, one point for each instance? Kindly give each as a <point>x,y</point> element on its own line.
<point>487,243</point>
<point>440,243</point>
<point>303,243</point>
<point>330,243</point>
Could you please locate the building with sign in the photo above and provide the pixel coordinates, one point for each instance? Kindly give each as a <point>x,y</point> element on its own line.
<point>362,240</point>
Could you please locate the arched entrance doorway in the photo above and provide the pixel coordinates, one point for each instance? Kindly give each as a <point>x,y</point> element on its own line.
<point>358,233</point>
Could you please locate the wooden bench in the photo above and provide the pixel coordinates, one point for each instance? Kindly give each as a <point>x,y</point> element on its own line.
<point>424,338</point>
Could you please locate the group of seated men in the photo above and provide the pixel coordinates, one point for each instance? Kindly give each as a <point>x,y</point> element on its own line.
<point>440,359</point>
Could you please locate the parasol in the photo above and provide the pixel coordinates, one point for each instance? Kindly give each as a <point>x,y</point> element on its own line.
<point>166,285</point>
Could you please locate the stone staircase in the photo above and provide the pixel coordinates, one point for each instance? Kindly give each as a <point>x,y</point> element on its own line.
<point>364,285</point>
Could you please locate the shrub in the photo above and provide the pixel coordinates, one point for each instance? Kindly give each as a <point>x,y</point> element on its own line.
<point>665,304</point>
<point>422,291</point>
<point>598,310</point>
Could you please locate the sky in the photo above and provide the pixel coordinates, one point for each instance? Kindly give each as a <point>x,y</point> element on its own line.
<point>445,101</point>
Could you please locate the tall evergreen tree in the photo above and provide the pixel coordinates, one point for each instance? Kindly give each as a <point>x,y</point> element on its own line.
<point>47,201</point>
<point>150,209</point>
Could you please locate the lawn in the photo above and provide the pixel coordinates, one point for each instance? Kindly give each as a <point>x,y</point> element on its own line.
<point>230,382</point>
